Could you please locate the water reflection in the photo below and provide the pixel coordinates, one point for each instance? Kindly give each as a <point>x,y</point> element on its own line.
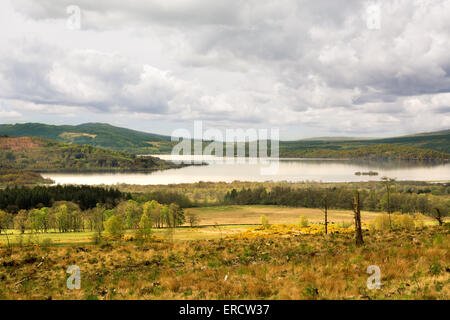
<point>294,170</point>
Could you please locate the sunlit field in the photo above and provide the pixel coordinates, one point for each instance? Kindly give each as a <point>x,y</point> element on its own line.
<point>214,223</point>
<point>278,215</point>
<point>414,264</point>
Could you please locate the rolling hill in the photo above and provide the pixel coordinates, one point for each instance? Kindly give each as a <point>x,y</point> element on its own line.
<point>423,146</point>
<point>94,134</point>
<point>439,141</point>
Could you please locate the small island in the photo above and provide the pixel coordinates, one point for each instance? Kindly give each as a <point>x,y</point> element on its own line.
<point>369,173</point>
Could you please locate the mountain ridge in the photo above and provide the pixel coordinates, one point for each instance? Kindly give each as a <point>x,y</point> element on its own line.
<point>107,136</point>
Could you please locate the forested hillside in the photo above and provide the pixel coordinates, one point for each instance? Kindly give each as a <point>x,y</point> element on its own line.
<point>39,154</point>
<point>425,146</point>
<point>439,141</point>
<point>377,151</point>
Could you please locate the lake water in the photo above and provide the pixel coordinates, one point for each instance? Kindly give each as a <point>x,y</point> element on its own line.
<point>293,170</point>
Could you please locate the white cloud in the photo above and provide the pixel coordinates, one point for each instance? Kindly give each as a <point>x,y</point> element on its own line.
<point>9,114</point>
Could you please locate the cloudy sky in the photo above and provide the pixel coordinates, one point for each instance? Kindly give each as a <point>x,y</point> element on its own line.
<point>310,68</point>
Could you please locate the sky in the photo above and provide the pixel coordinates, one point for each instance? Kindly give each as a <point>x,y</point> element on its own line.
<point>309,68</point>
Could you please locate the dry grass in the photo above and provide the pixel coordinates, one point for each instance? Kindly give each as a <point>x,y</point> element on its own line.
<point>275,214</point>
<point>414,265</point>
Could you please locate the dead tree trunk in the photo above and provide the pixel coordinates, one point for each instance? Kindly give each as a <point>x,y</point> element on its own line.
<point>438,216</point>
<point>325,210</point>
<point>358,228</point>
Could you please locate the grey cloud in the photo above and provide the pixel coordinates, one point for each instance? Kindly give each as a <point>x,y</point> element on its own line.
<point>319,61</point>
<point>445,109</point>
<point>113,13</point>
<point>101,81</point>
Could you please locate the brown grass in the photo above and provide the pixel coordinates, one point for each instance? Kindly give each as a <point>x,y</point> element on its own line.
<point>275,214</point>
<point>20,143</point>
<point>414,265</point>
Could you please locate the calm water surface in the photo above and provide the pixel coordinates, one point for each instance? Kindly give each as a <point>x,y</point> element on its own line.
<point>292,170</point>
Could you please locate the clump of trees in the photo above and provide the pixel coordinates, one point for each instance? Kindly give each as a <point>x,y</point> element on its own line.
<point>65,216</point>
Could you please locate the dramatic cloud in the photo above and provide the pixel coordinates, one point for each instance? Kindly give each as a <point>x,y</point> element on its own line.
<point>311,67</point>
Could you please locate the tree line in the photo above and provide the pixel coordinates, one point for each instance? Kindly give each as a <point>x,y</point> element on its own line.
<point>24,198</point>
<point>340,198</point>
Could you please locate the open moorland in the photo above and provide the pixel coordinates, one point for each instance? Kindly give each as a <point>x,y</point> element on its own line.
<point>414,264</point>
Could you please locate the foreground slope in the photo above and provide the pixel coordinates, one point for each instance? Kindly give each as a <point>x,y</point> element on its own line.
<point>413,265</point>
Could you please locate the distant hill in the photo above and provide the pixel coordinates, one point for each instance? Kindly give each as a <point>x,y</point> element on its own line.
<point>137,142</point>
<point>94,134</point>
<point>41,155</point>
<point>434,133</point>
<point>382,151</point>
<point>438,141</point>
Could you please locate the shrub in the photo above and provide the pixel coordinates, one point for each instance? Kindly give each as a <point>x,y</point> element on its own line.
<point>46,242</point>
<point>265,222</point>
<point>303,222</point>
<point>97,239</point>
<point>418,220</point>
<point>381,222</point>
<point>399,221</point>
<point>345,225</point>
<point>404,221</point>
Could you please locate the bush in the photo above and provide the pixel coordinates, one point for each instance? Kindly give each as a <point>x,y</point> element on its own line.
<point>418,220</point>
<point>265,222</point>
<point>399,221</point>
<point>345,225</point>
<point>303,222</point>
<point>46,242</point>
<point>97,239</point>
<point>381,222</point>
<point>404,221</point>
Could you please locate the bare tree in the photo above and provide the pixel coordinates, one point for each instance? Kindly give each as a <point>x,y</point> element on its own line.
<point>325,211</point>
<point>217,226</point>
<point>388,182</point>
<point>358,228</point>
